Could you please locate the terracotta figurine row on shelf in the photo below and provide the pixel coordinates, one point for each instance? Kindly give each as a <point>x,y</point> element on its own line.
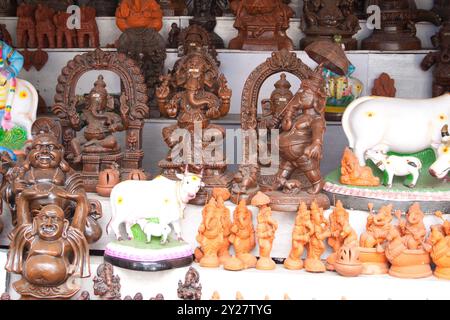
<point>43,27</point>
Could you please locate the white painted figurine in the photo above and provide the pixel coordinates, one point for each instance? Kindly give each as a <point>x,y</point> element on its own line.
<point>441,168</point>
<point>161,201</point>
<point>396,166</point>
<point>404,126</point>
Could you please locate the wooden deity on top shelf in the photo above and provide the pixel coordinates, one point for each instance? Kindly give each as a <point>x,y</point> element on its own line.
<point>8,8</point>
<point>196,38</point>
<point>204,14</point>
<point>139,14</point>
<point>174,7</point>
<point>398,26</point>
<point>262,25</point>
<point>300,119</point>
<point>326,19</point>
<point>194,93</point>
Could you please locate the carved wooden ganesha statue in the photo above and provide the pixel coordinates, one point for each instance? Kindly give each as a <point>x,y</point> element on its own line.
<point>139,14</point>
<point>262,25</point>
<point>195,93</point>
<point>98,116</point>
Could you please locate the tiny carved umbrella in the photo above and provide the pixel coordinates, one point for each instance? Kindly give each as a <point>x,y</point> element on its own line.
<point>330,55</point>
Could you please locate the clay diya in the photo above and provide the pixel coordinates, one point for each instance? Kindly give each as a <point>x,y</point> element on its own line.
<point>266,229</point>
<point>107,180</point>
<point>137,175</point>
<point>407,250</point>
<point>348,263</point>
<point>372,242</point>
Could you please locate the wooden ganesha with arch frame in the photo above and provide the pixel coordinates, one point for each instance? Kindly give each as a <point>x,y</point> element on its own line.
<point>97,149</point>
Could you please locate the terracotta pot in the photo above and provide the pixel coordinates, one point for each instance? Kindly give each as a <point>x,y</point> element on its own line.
<point>348,263</point>
<point>373,262</point>
<point>412,264</point>
<point>107,180</point>
<point>137,175</point>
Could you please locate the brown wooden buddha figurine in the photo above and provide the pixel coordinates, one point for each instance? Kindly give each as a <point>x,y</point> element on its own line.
<point>100,122</point>
<point>46,169</point>
<point>47,249</point>
<point>301,137</point>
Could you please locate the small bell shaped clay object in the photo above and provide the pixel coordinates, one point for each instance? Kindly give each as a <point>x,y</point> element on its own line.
<point>348,263</point>
<point>107,180</point>
<point>137,175</point>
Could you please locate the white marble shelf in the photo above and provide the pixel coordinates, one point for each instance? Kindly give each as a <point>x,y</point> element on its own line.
<point>256,285</point>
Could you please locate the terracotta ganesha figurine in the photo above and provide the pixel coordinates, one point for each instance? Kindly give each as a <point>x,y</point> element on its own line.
<point>139,14</point>
<point>47,249</point>
<point>440,251</point>
<point>373,241</point>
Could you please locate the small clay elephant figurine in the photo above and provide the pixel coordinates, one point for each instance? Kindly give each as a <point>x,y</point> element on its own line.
<point>65,37</point>
<point>89,29</point>
<point>45,29</point>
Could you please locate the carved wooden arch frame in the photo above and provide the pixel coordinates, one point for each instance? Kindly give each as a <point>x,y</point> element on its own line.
<point>280,61</point>
<point>133,88</point>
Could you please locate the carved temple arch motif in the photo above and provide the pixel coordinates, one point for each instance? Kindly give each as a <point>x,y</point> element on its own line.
<point>134,93</point>
<point>280,61</point>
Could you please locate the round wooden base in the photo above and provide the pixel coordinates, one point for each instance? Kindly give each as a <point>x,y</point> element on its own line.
<point>290,202</point>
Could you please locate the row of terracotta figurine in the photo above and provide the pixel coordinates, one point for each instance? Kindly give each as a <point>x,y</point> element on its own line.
<point>405,246</point>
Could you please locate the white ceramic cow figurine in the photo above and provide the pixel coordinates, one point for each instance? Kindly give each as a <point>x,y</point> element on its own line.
<point>162,201</point>
<point>389,124</point>
<point>441,167</point>
<point>396,166</point>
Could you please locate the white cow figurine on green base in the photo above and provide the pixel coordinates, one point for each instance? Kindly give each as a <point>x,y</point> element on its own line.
<point>161,201</point>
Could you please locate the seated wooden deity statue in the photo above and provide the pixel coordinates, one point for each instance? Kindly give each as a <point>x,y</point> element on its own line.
<point>47,249</point>
<point>101,122</point>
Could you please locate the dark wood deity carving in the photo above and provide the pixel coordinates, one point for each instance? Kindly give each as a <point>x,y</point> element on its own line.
<point>97,149</point>
<point>301,126</point>
<point>262,25</point>
<point>196,38</point>
<point>194,93</point>
<point>330,20</point>
<point>147,47</point>
<point>204,14</point>
<point>398,26</point>
<point>8,8</point>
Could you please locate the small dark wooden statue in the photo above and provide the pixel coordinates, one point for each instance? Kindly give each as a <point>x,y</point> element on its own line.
<point>398,26</point>
<point>262,25</point>
<point>147,47</point>
<point>205,13</point>
<point>441,61</point>
<point>8,8</point>
<point>106,283</point>
<point>46,248</point>
<point>326,19</point>
<point>191,289</point>
<point>195,93</point>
